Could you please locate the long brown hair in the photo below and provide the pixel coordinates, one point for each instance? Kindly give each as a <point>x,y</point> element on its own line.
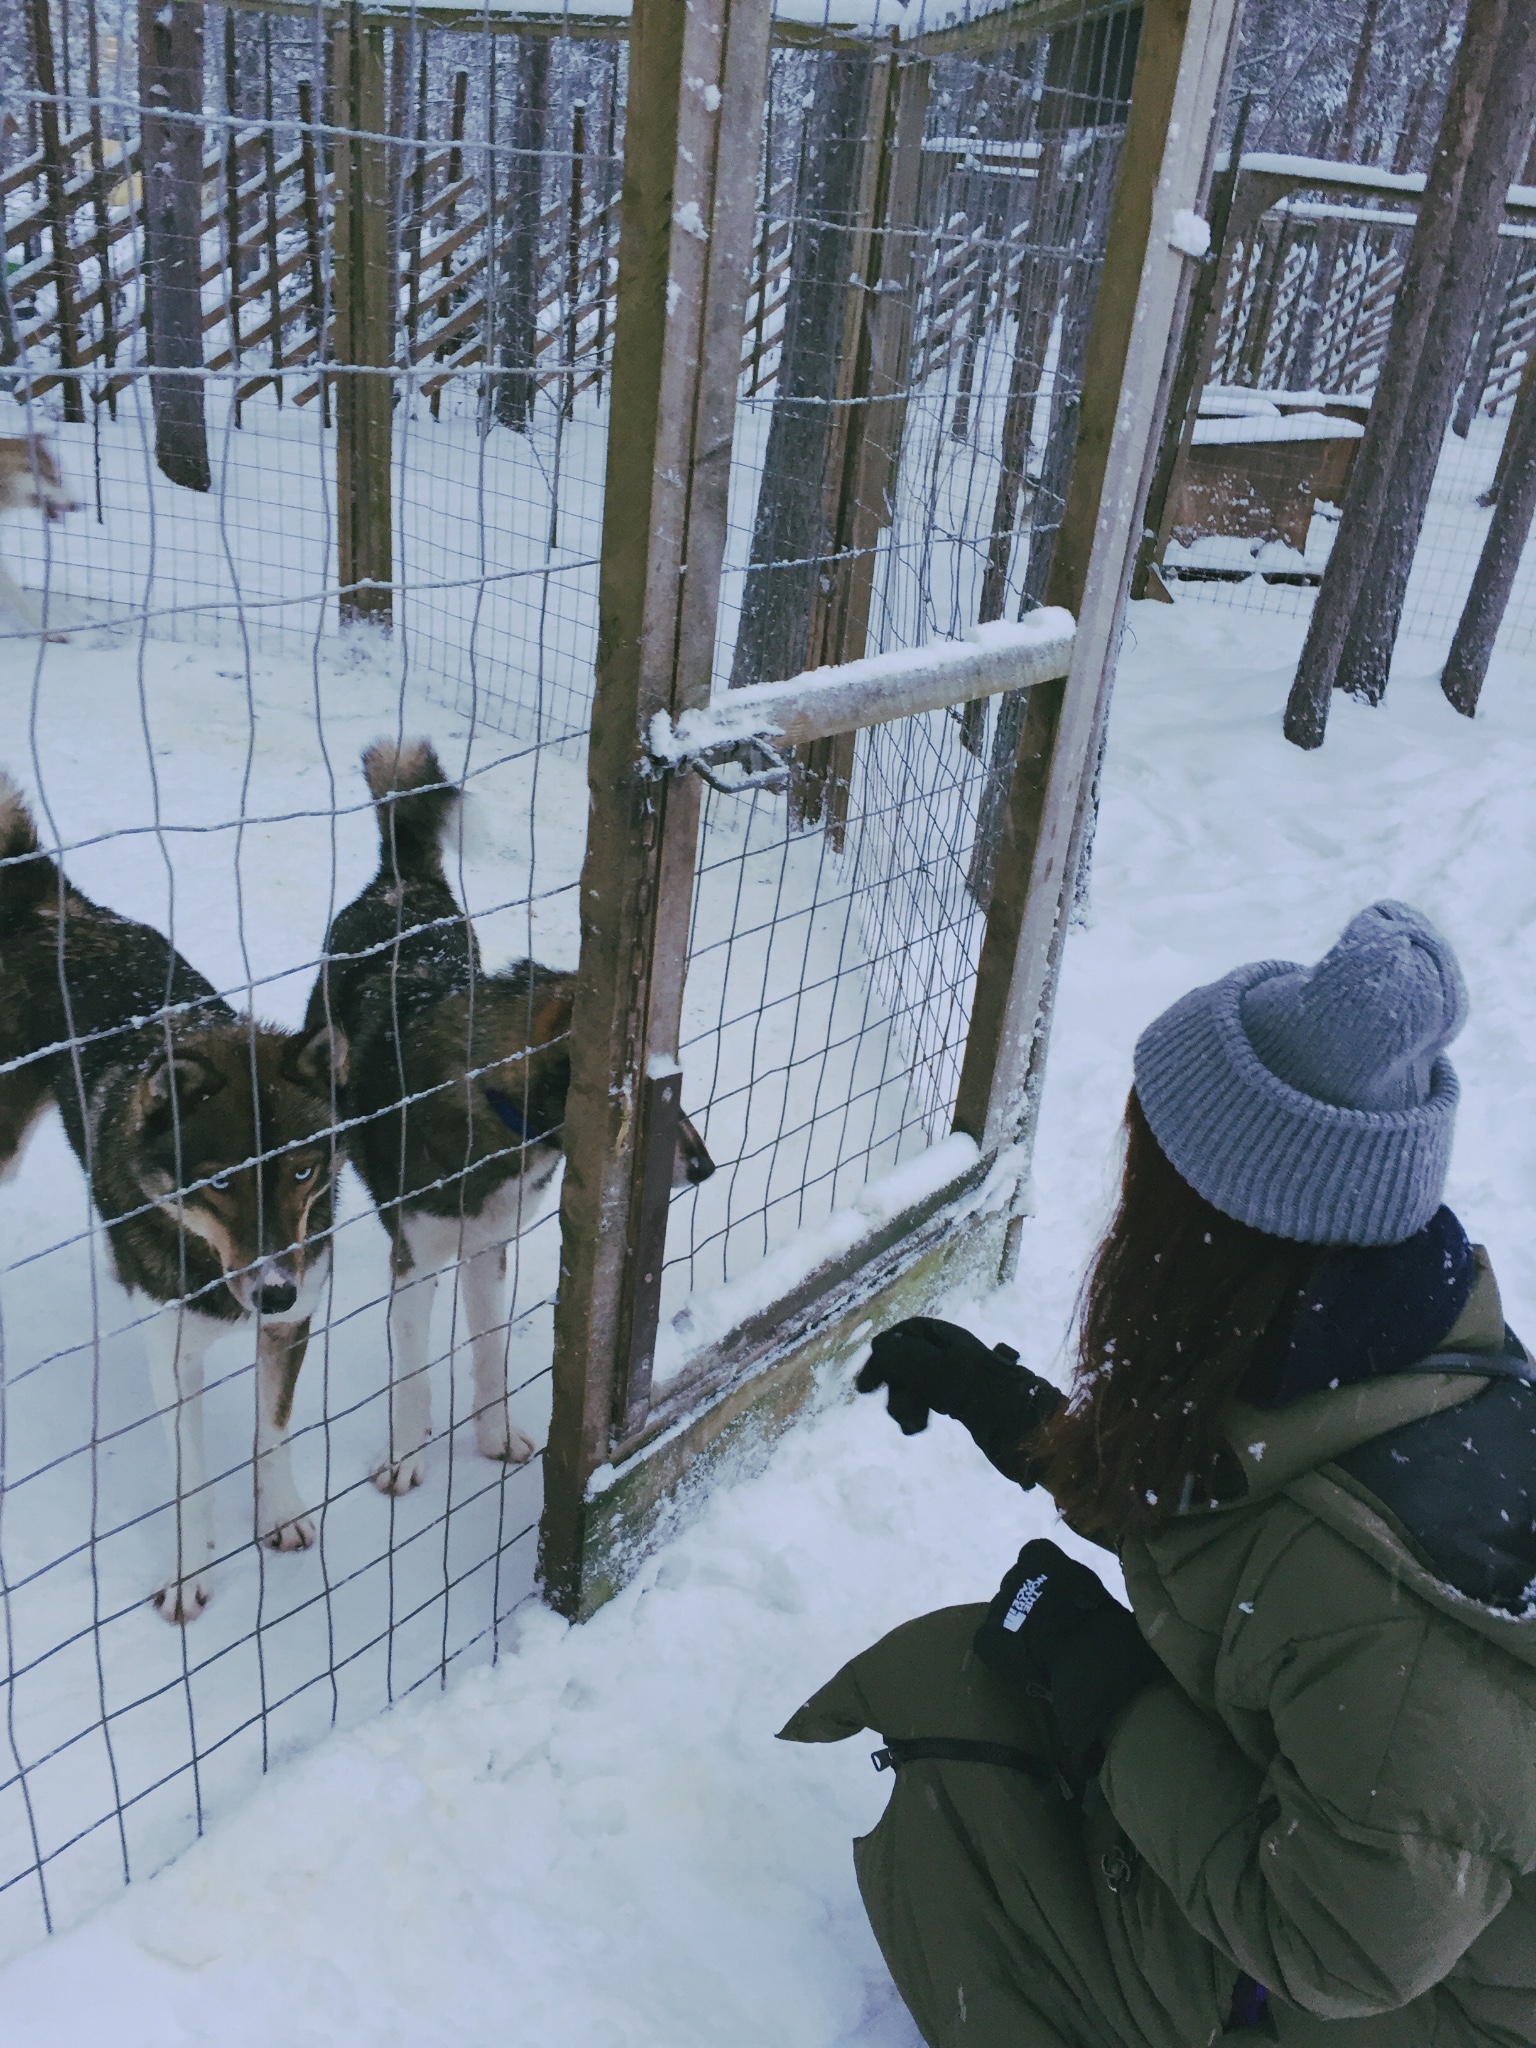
<point>1175,1314</point>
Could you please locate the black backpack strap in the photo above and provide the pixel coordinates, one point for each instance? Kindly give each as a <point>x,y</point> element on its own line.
<point>954,1749</point>
<point>1514,1362</point>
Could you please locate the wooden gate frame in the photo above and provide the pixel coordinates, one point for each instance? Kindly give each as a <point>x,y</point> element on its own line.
<point>619,1467</point>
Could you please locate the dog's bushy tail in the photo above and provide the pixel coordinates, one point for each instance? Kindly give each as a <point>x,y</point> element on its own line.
<point>27,875</point>
<point>414,802</point>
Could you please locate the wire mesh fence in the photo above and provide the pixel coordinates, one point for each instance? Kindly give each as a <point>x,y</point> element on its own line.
<point>309,328</point>
<point>186,741</point>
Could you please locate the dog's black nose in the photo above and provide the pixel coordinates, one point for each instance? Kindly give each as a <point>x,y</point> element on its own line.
<point>699,1167</point>
<point>274,1301</point>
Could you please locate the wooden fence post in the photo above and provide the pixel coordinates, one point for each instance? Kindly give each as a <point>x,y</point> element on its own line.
<point>364,295</point>
<point>573,253</point>
<point>101,217</point>
<point>697,72</point>
<point>1201,325</point>
<point>309,166</point>
<point>269,179</point>
<point>55,181</point>
<point>232,194</point>
<point>1180,64</point>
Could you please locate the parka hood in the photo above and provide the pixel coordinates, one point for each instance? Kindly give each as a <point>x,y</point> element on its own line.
<point>1293,1451</point>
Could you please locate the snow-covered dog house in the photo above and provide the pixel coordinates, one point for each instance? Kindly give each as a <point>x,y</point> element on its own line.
<point>698,398</point>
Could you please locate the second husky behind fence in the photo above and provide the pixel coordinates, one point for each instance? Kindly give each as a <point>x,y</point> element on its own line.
<point>457,1082</point>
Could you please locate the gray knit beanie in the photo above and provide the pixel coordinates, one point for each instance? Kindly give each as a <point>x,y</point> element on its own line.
<point>1316,1103</point>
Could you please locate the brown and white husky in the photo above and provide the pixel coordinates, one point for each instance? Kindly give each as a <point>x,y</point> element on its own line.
<point>456,1087</point>
<point>29,482</point>
<point>208,1142</point>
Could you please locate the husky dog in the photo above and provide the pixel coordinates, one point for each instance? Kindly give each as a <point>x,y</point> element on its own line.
<point>29,482</point>
<point>207,1141</point>
<point>457,1085</point>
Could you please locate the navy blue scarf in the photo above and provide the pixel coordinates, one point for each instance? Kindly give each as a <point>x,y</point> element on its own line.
<point>1366,1311</point>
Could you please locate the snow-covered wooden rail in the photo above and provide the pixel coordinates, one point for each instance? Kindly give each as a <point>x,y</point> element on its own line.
<point>826,701</point>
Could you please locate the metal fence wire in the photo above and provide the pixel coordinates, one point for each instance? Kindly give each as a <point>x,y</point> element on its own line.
<point>880,499</point>
<point>308,326</point>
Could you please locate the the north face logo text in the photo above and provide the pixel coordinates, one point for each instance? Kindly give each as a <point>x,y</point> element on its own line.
<point>1023,1601</point>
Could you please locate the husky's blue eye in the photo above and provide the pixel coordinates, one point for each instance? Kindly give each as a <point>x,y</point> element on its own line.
<point>302,1172</point>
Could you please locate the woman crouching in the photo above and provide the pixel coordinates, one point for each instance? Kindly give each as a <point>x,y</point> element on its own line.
<point>1290,1795</point>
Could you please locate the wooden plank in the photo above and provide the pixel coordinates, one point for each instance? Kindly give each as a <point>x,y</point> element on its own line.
<point>312,177</point>
<point>735,1401</point>
<point>697,79</point>
<point>1180,63</point>
<point>363,324</point>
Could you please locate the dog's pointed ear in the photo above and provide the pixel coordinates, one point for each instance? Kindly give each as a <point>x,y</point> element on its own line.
<point>188,1075</point>
<point>321,1058</point>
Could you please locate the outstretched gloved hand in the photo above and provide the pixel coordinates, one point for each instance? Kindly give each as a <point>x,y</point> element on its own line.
<point>925,1364</point>
<point>1057,1631</point>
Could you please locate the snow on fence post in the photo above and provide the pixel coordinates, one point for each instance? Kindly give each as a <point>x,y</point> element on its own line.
<point>363,325</point>
<point>698,75</point>
<point>1183,58</point>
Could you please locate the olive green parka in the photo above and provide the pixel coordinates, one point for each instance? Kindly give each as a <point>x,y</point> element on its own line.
<point>1335,1794</point>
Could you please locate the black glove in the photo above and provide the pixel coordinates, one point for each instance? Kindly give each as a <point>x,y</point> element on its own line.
<point>1056,1631</point>
<point>927,1364</point>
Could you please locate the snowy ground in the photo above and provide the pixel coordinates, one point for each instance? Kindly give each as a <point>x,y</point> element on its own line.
<point>598,1842</point>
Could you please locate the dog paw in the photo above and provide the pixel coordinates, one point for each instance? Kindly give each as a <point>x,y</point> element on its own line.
<point>397,1476</point>
<point>183,1600</point>
<point>287,1532</point>
<point>497,1436</point>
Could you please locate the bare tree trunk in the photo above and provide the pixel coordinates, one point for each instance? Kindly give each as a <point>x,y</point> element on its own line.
<point>519,322</point>
<point>1503,135</point>
<point>171,103</point>
<point>790,534</point>
<point>1359,78</point>
<point>1462,677</point>
<point>1490,25</point>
